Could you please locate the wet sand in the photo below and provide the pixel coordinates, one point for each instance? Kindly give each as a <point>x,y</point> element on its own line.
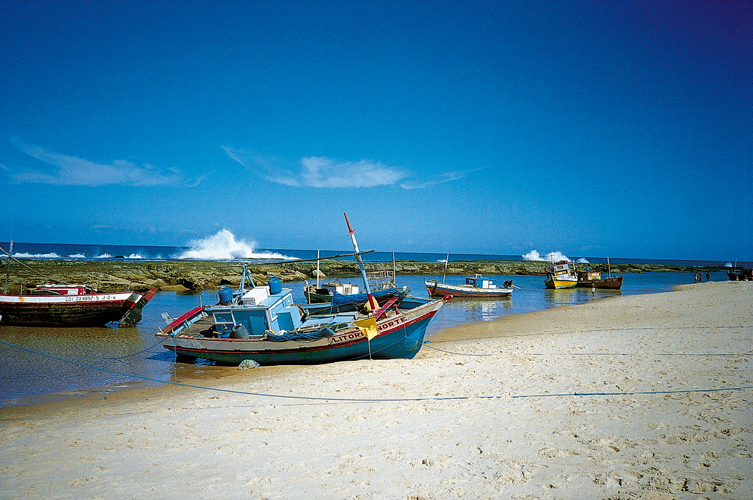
<point>646,396</point>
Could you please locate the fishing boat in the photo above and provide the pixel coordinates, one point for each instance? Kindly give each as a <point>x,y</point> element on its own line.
<point>475,287</point>
<point>593,279</point>
<point>72,305</point>
<point>561,275</point>
<point>263,324</point>
<point>740,274</point>
<point>325,291</point>
<point>381,283</point>
<point>69,305</point>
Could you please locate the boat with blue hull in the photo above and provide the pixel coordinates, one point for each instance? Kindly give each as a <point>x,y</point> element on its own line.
<point>267,327</point>
<point>263,324</point>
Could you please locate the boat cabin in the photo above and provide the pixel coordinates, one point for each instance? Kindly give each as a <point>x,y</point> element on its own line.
<point>343,288</point>
<point>478,281</point>
<point>589,275</point>
<point>258,311</point>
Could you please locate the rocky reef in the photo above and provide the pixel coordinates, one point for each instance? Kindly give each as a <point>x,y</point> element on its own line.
<point>110,276</point>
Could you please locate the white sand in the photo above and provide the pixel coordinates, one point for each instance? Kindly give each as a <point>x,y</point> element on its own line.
<point>630,397</point>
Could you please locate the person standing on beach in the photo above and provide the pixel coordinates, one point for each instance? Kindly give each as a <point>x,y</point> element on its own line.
<point>707,276</point>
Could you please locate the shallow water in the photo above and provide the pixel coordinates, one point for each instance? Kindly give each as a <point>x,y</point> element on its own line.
<point>43,364</point>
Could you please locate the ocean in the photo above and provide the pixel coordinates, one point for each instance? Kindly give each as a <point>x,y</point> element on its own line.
<point>45,364</point>
<point>223,246</point>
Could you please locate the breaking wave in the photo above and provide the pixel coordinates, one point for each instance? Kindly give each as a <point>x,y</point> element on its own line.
<point>550,257</point>
<point>224,246</point>
<point>25,255</point>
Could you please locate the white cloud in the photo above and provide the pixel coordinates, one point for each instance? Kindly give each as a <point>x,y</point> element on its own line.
<point>326,173</point>
<point>445,177</point>
<point>74,171</point>
<point>322,172</point>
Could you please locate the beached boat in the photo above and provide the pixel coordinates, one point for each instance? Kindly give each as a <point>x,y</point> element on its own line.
<point>72,305</point>
<point>475,286</point>
<point>263,324</point>
<point>266,326</point>
<point>561,275</point>
<point>740,274</point>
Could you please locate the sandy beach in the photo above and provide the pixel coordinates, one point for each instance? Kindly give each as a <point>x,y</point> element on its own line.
<point>644,396</point>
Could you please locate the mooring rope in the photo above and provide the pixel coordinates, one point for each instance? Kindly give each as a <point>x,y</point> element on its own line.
<point>380,400</point>
<point>131,355</point>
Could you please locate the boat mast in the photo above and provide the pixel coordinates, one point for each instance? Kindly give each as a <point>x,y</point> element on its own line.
<point>351,233</point>
<point>394,282</point>
<point>446,261</point>
<point>7,272</point>
<point>317,269</point>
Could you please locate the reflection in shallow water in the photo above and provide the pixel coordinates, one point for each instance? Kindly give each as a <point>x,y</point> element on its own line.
<point>104,359</point>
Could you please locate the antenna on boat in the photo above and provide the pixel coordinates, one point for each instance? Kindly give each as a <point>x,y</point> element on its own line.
<point>351,233</point>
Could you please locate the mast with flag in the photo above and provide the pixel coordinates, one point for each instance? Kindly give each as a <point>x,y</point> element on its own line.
<point>351,232</point>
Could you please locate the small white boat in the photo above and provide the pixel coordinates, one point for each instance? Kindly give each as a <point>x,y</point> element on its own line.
<point>476,286</point>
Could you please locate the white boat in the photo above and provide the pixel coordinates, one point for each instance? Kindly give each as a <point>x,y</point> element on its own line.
<point>475,286</point>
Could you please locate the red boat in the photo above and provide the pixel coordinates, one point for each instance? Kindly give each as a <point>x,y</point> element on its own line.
<point>72,305</point>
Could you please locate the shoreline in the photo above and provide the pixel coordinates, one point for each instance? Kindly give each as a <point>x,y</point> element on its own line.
<point>646,396</point>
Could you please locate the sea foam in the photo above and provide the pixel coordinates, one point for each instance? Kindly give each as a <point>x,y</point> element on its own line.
<point>550,257</point>
<point>224,246</point>
<point>52,255</point>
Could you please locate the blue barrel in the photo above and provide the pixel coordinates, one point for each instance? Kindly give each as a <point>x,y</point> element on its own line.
<point>225,295</point>
<point>275,285</point>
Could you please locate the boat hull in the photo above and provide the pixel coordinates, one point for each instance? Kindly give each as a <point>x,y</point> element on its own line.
<point>602,284</point>
<point>435,289</point>
<point>400,336</point>
<point>67,311</point>
<point>559,284</point>
<point>740,274</point>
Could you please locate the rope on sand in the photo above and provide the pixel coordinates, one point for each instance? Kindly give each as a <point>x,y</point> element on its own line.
<point>378,400</point>
<point>426,344</point>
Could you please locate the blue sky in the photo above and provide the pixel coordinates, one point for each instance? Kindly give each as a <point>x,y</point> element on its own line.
<point>620,129</point>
